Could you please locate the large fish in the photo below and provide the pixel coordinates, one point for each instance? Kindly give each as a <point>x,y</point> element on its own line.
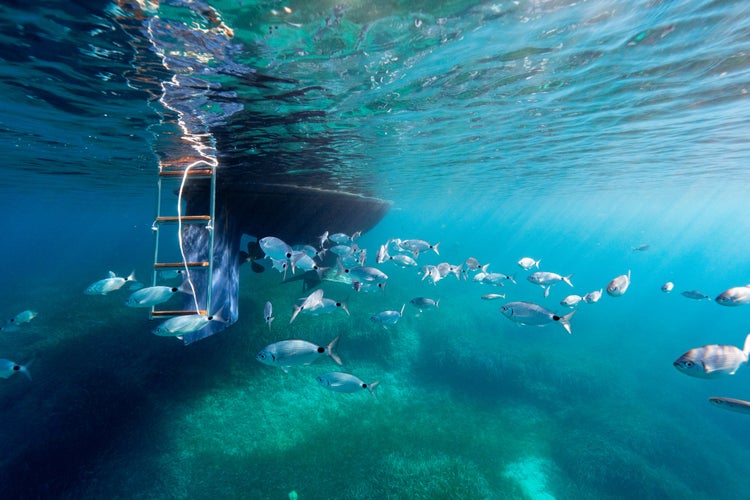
<point>619,285</point>
<point>735,296</point>
<point>345,382</point>
<point>714,360</point>
<point>528,313</point>
<point>295,352</point>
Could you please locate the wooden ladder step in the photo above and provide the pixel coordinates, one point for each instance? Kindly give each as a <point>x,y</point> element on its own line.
<point>192,174</point>
<point>184,218</point>
<point>173,265</point>
<point>178,312</point>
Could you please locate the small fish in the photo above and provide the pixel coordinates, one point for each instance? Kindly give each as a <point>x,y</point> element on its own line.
<point>388,318</point>
<point>641,248</point>
<point>170,274</point>
<point>309,302</point>
<point>619,285</point>
<point>275,248</point>
<point>365,274</point>
<point>382,254</point>
<point>571,300</point>
<point>493,296</point>
<point>667,287</point>
<point>342,250</point>
<point>735,296</point>
<point>23,317</point>
<point>713,360</point>
<point>418,246</point>
<point>367,287</point>
<point>528,313</point>
<point>326,306</point>
<point>402,260</point>
<point>343,239</point>
<point>731,404</point>
<point>593,297</point>
<point>497,278</point>
<point>546,280</point>
<point>695,294</point>
<point>345,382</point>
<point>179,325</point>
<point>527,263</point>
<point>430,271</point>
<point>268,313</point>
<point>472,264</point>
<point>423,303</point>
<point>152,295</point>
<point>110,284</point>
<point>288,353</point>
<point>9,368</point>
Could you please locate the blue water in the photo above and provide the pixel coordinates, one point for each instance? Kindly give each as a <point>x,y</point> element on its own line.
<point>570,132</point>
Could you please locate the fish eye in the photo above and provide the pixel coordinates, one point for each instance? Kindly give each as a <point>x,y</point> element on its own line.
<point>261,355</point>
<point>688,364</point>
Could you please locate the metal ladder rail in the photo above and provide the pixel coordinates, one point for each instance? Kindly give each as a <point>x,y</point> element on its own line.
<point>208,220</point>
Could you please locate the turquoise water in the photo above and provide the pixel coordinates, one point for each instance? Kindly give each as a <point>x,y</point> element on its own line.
<point>568,132</point>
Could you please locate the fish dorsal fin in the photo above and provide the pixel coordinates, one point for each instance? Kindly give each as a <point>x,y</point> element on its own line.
<point>111,274</point>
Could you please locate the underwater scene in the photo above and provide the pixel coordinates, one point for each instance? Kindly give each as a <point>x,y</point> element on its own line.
<point>365,250</point>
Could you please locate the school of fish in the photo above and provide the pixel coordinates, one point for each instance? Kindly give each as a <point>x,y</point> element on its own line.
<point>349,267</point>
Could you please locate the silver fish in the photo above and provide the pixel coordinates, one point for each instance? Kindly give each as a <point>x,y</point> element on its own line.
<point>309,302</point>
<point>151,296</point>
<point>179,325</point>
<point>9,368</point>
<point>388,318</point>
<point>275,248</point>
<point>268,313</point>
<point>641,248</point>
<point>695,294</point>
<point>713,360</point>
<point>365,274</point>
<point>382,254</point>
<point>667,287</point>
<point>497,278</point>
<point>731,404</point>
<point>493,296</point>
<point>547,279</point>
<point>24,317</point>
<point>593,297</point>
<point>418,246</point>
<point>735,296</point>
<point>402,260</point>
<point>472,264</point>
<point>423,303</point>
<point>571,300</point>
<point>326,306</point>
<point>110,284</point>
<point>527,263</point>
<point>288,353</point>
<point>619,285</point>
<point>528,313</point>
<point>345,382</point>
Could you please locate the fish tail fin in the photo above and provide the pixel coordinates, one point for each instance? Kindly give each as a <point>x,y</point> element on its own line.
<point>131,276</point>
<point>565,321</point>
<point>536,263</point>
<point>458,271</point>
<point>344,306</point>
<point>331,350</point>
<point>435,247</point>
<point>437,304</point>
<point>185,288</point>
<point>512,278</point>
<point>401,313</point>
<point>566,279</point>
<point>746,348</point>
<point>371,387</point>
<point>24,368</point>
<point>297,309</point>
<point>485,267</point>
